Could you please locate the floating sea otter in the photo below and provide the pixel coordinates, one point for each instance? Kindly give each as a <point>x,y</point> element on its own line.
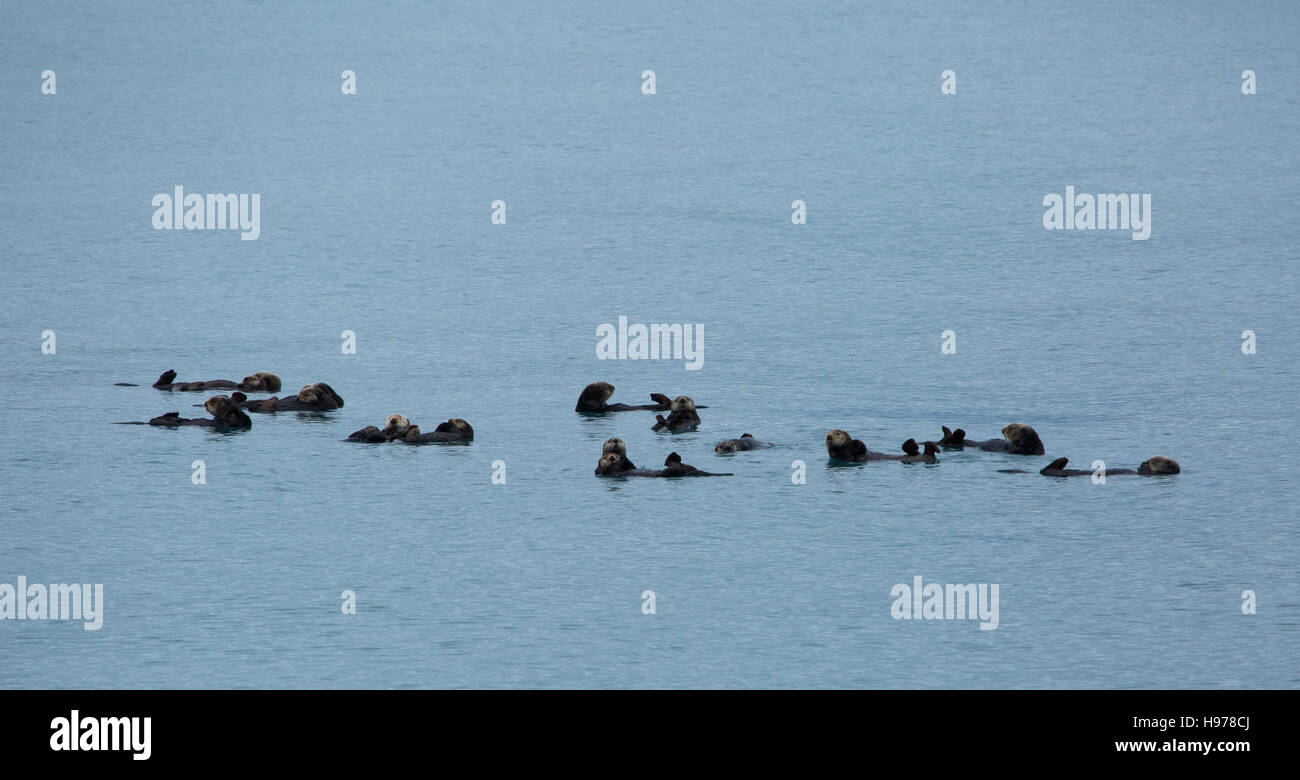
<point>1152,467</point>
<point>841,446</point>
<point>683,417</point>
<point>613,458</point>
<point>595,395</point>
<point>1017,439</point>
<point>315,397</point>
<point>261,382</point>
<point>399,428</point>
<point>745,442</point>
<point>615,464</point>
<point>225,415</point>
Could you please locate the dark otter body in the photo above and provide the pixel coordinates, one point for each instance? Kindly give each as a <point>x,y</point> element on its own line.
<point>745,442</point>
<point>225,415</point>
<point>262,381</point>
<point>1018,439</point>
<point>454,431</point>
<point>1057,468</point>
<point>315,397</point>
<point>594,396</point>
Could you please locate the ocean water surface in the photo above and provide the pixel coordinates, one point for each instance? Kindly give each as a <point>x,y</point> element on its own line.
<point>924,214</point>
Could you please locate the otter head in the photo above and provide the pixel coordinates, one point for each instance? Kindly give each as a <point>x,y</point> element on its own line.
<point>1024,439</point>
<point>594,396</point>
<point>932,449</point>
<point>910,447</point>
<point>321,395</point>
<point>683,403</point>
<point>726,446</point>
<point>838,438</point>
<point>610,463</point>
<point>397,425</point>
<point>615,445</point>
<point>672,458</point>
<point>238,397</point>
<point>263,381</point>
<point>457,425</point>
<point>1159,465</point>
<point>219,405</point>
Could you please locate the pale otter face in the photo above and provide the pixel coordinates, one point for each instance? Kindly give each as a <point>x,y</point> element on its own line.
<point>397,424</point>
<point>461,425</point>
<point>726,446</point>
<point>616,445</point>
<point>1024,438</point>
<point>604,390</point>
<point>838,438</point>
<point>1160,465</point>
<point>608,462</point>
<point>683,403</point>
<point>309,394</point>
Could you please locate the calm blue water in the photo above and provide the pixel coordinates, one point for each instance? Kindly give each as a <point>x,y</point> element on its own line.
<point>924,215</point>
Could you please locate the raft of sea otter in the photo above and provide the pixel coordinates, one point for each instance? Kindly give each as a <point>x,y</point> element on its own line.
<point>230,413</point>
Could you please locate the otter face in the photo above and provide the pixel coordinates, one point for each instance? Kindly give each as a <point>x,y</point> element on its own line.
<point>610,463</point>
<point>683,403</point>
<point>838,438</point>
<point>615,445</point>
<point>462,426</point>
<point>1159,465</point>
<point>726,446</point>
<point>910,447</point>
<point>1024,439</point>
<point>396,425</point>
<point>218,405</point>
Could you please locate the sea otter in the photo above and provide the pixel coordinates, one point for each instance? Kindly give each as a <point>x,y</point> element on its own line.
<point>1159,465</point>
<point>841,446</point>
<point>595,395</point>
<point>612,464</point>
<point>315,397</point>
<point>1057,468</point>
<point>613,458</point>
<point>745,442</point>
<point>225,415</point>
<point>399,428</point>
<point>260,382</point>
<point>683,417</point>
<point>1017,439</point>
